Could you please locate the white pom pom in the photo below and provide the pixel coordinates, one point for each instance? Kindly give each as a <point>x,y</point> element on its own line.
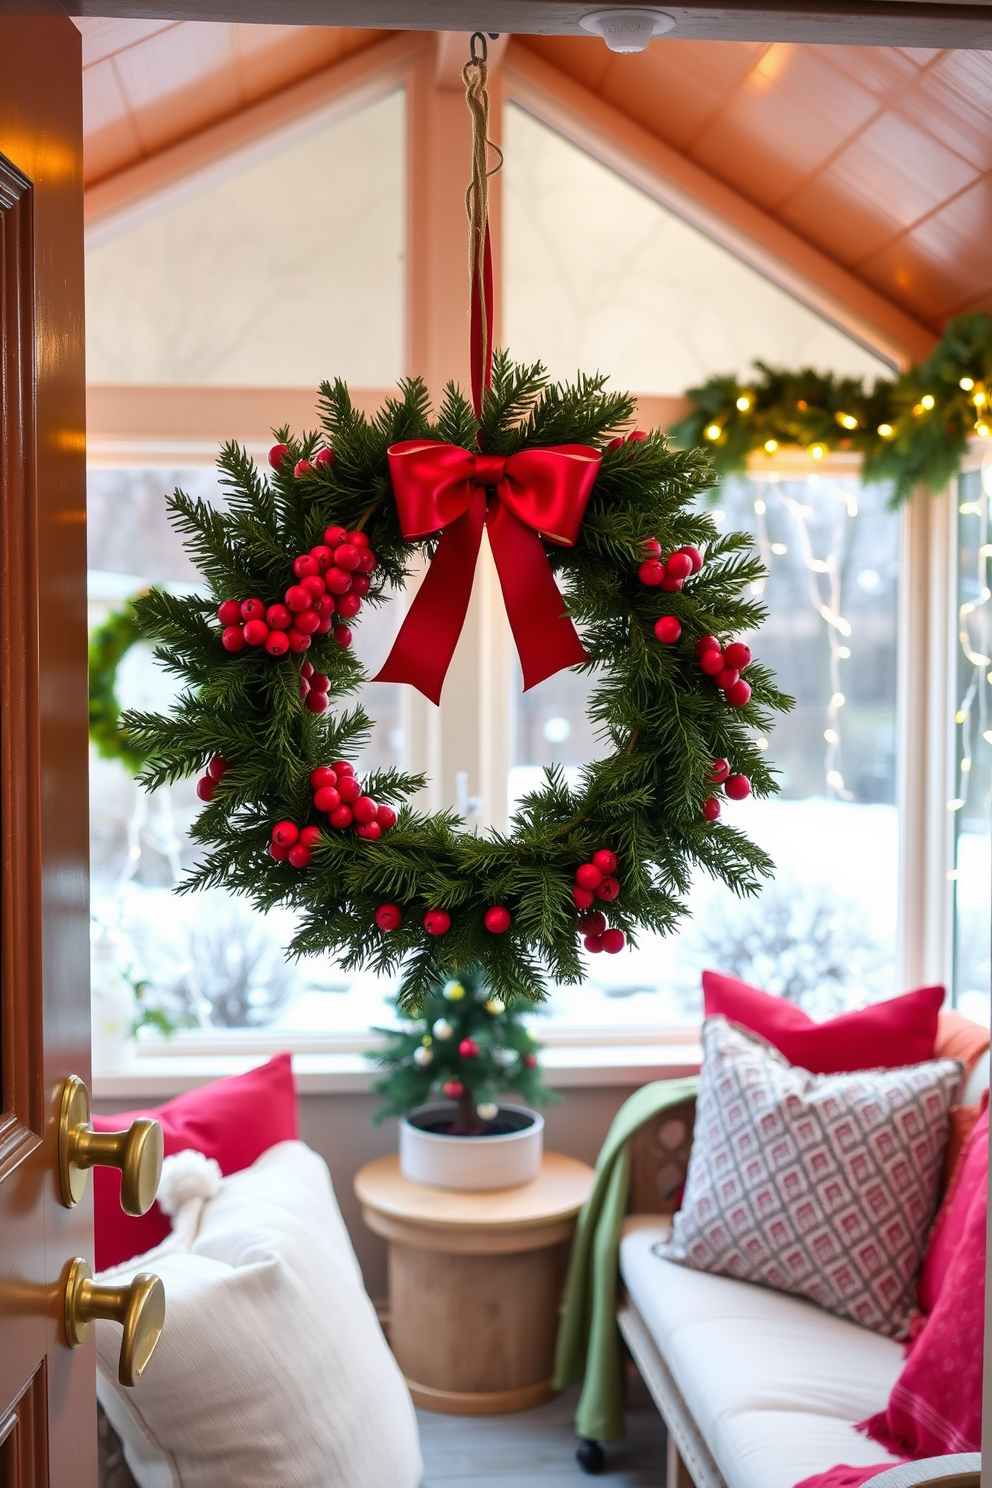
<point>188,1175</point>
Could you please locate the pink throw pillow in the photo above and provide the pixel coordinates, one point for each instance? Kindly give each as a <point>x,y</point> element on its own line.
<point>845,1476</point>
<point>936,1403</point>
<point>233,1120</point>
<point>970,1174</point>
<point>885,1035</point>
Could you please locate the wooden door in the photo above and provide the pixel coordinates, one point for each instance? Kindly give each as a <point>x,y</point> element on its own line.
<point>47,1391</point>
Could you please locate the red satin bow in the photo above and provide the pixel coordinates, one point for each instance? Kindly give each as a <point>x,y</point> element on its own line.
<point>535,493</point>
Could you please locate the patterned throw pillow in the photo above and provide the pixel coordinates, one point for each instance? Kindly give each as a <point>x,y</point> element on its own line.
<point>820,1185</point>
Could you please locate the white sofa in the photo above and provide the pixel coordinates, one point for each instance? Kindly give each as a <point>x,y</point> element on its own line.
<point>757,1389</point>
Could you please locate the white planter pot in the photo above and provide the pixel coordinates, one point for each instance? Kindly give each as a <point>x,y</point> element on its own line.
<point>472,1164</point>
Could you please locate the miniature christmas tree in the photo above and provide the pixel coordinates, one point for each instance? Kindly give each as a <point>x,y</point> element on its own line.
<point>467,1046</point>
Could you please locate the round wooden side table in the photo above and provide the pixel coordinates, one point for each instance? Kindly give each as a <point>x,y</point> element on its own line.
<point>475,1282</point>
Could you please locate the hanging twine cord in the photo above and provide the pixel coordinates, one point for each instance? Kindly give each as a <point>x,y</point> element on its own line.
<point>475,74</point>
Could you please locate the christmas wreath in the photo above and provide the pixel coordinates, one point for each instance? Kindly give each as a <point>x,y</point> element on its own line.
<point>657,595</point>
<point>108,647</point>
<point>912,431</point>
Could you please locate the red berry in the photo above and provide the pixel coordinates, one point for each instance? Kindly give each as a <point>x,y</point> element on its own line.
<point>285,833</point>
<point>357,539</point>
<point>738,695</point>
<point>279,853</point>
<point>605,860</point>
<point>348,606</point>
<point>323,555</point>
<point>582,898</point>
<point>593,943</point>
<point>205,788</point>
<point>298,642</point>
<point>719,772</point>
<point>711,662</point>
<point>388,917</point>
<point>651,572</point>
<point>651,547</point>
<point>276,642</point>
<point>360,585</point>
<point>316,702</point>
<point>497,919</point>
<point>304,565</point>
<point>350,788</point>
<point>608,889</point>
<point>342,636</point>
<point>324,605</point>
<point>217,767</point>
<point>726,677</point>
<point>588,876</point>
<point>307,621</point>
<point>668,630</point>
<point>616,444</point>
<point>233,639</point>
<point>613,941</point>
<point>320,682</point>
<point>341,817</point>
<point>257,632</point>
<point>304,689</point>
<point>252,609</point>
<point>711,808</point>
<point>300,856</point>
<point>706,643</point>
<point>324,457</point>
<point>437,922</point>
<point>337,581</point>
<point>635,436</point>
<point>369,830</point>
<point>342,767</point>
<point>277,617</point>
<point>468,1048</point>
<point>306,670</point>
<point>364,809</point>
<point>298,598</point>
<point>737,655</point>
<point>694,556</point>
<point>315,584</point>
<point>277,454</point>
<point>367,563</point>
<point>386,817</point>
<point>229,613</point>
<point>737,787</point>
<point>326,621</point>
<point>671,585</point>
<point>678,566</point>
<point>310,836</point>
<point>593,923</point>
<point>453,1089</point>
<point>327,798</point>
<point>346,557</point>
<point>334,535</point>
<point>323,775</point>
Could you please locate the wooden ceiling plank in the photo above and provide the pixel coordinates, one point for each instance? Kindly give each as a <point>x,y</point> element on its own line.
<point>269,125</point>
<point>708,204</point>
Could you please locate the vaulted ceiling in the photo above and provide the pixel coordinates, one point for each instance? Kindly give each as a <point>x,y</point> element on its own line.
<point>879,157</point>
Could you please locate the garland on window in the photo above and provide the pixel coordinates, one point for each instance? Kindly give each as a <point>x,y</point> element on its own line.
<point>108,647</point>
<point>912,431</point>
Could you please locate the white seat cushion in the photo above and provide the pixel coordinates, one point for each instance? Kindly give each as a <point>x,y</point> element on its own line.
<point>774,1383</point>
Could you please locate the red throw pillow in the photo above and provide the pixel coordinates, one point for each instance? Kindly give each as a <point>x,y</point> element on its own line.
<point>845,1476</point>
<point>936,1403</point>
<point>886,1035</point>
<point>233,1120</point>
<point>948,1232</point>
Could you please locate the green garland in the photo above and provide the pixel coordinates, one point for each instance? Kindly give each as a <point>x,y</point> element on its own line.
<point>108,647</point>
<point>912,431</point>
<point>663,720</point>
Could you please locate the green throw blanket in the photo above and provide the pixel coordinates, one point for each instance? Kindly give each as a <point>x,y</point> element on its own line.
<point>588,1352</point>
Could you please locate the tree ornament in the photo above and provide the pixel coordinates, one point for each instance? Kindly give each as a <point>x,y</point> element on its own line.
<point>468,1049</point>
<point>422,1057</point>
<point>442,1029</point>
<point>388,917</point>
<point>495,1006</point>
<point>488,1110</point>
<point>737,787</point>
<point>497,919</point>
<point>453,1089</point>
<point>668,630</point>
<point>529,1061</point>
<point>567,523</point>
<point>453,991</point>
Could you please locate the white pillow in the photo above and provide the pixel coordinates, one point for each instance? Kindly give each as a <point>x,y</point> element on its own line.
<point>272,1371</point>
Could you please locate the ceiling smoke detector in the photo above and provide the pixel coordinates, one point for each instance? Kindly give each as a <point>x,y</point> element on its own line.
<point>627,30</point>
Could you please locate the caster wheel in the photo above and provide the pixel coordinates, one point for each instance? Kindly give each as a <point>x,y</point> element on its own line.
<point>590,1457</point>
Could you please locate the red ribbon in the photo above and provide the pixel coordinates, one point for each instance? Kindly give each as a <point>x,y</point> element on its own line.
<point>533,494</point>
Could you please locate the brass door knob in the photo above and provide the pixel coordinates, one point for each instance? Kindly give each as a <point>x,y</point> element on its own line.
<point>139,1307</point>
<point>137,1152</point>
